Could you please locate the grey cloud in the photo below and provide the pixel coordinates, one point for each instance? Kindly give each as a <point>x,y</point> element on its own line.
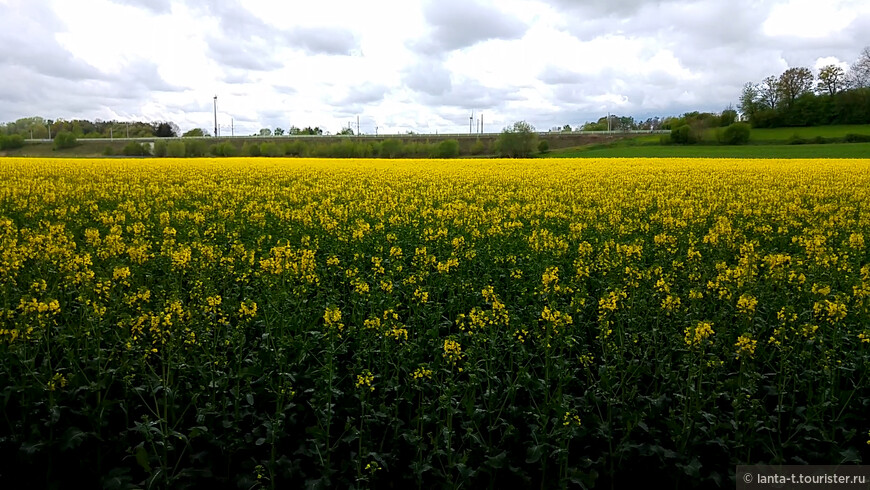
<point>27,36</point>
<point>144,75</point>
<point>245,55</point>
<point>457,24</point>
<point>364,94</point>
<point>244,27</point>
<point>471,94</point>
<point>322,40</point>
<point>429,77</point>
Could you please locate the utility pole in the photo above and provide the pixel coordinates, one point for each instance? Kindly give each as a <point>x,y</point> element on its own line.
<point>481,123</point>
<point>357,125</point>
<point>215,117</point>
<point>470,122</point>
<point>127,125</point>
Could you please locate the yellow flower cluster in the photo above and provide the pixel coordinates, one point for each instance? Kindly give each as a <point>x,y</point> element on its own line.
<point>365,379</point>
<point>745,346</point>
<point>698,335</point>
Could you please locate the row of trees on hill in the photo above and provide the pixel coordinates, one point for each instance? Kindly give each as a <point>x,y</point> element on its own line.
<point>39,128</point>
<point>798,97</point>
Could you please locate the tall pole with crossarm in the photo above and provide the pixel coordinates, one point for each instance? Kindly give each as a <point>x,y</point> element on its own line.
<point>215,117</point>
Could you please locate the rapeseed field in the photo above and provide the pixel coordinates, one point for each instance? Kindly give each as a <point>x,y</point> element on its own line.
<point>280,323</point>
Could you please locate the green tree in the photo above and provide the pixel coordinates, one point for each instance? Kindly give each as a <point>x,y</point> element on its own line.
<point>447,149</point>
<point>265,132</point>
<point>279,132</point>
<point>195,132</point>
<point>160,149</point>
<point>517,141</point>
<point>543,146</point>
<point>65,139</point>
<point>478,148</point>
<point>175,149</point>
<point>390,148</point>
<point>793,83</point>
<point>832,78</point>
<point>345,132</point>
<point>736,134</point>
<point>135,149</point>
<point>165,130</point>
<point>728,117</point>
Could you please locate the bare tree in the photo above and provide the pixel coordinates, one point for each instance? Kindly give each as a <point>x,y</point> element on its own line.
<point>793,83</point>
<point>859,73</point>
<point>832,78</point>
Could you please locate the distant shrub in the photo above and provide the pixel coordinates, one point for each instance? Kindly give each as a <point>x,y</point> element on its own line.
<point>251,150</point>
<point>160,149</point>
<point>195,148</point>
<point>271,149</point>
<point>175,149</point>
<point>64,139</point>
<point>684,135</point>
<point>11,142</point>
<point>447,149</point>
<point>796,139</point>
<point>543,146</point>
<point>224,149</point>
<point>296,149</point>
<point>390,148</point>
<point>108,151</point>
<point>478,148</point>
<point>857,138</point>
<point>736,134</point>
<point>135,149</point>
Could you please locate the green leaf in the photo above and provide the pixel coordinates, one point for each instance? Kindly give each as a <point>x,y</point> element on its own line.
<point>142,458</point>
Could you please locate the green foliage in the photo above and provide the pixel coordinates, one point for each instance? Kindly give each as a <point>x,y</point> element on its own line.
<point>390,148</point>
<point>64,140</point>
<point>728,117</point>
<point>250,149</point>
<point>11,142</point>
<point>737,134</point>
<point>517,141</point>
<point>684,135</point>
<point>108,151</point>
<point>447,149</point>
<point>160,149</point>
<point>223,149</point>
<point>478,148</point>
<point>296,148</point>
<point>175,149</point>
<point>135,149</point>
<point>195,132</point>
<point>195,148</point>
<point>857,138</point>
<point>271,149</point>
<point>543,146</point>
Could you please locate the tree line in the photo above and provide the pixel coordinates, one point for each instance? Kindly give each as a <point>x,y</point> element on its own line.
<point>39,128</point>
<point>797,97</point>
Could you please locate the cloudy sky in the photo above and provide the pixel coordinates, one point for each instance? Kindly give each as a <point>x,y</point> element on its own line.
<point>405,65</point>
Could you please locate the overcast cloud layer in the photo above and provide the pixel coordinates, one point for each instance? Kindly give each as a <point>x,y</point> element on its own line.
<point>405,65</point>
